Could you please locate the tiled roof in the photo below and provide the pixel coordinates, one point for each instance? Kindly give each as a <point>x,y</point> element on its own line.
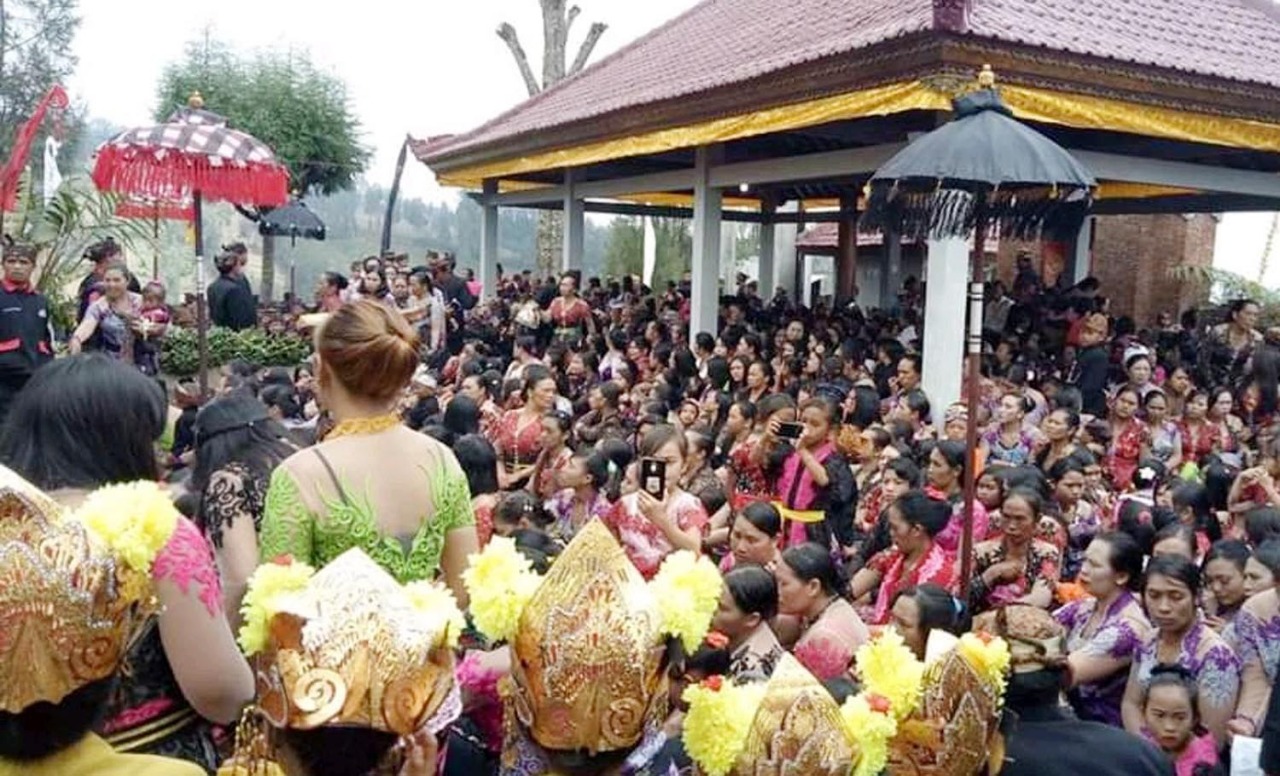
<point>716,43</point>
<point>722,42</point>
<point>1232,39</point>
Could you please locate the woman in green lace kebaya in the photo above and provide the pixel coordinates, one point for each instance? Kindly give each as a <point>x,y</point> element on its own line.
<point>372,483</point>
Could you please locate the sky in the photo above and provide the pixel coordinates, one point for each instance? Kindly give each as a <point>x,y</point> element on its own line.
<point>412,66</point>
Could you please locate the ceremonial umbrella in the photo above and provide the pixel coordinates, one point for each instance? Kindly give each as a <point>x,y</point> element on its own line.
<point>982,171</point>
<point>294,220</point>
<point>193,157</point>
<point>155,211</point>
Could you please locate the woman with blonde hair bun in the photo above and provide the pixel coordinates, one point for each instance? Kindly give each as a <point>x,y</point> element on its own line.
<point>372,483</point>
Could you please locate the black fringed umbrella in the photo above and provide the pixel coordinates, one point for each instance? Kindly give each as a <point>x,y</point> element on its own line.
<point>982,171</point>
<point>294,220</point>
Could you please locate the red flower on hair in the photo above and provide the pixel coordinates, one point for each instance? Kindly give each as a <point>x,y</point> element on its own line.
<point>283,560</point>
<point>713,683</point>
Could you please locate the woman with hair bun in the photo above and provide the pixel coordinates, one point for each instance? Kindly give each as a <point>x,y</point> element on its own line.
<point>417,522</point>
<point>915,558</point>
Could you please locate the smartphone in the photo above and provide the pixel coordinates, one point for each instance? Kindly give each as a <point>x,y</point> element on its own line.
<point>790,430</point>
<point>653,477</point>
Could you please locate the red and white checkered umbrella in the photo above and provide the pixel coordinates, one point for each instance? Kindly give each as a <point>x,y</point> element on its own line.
<point>192,154</point>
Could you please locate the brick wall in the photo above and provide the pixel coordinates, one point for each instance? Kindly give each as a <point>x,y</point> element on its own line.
<point>1131,257</point>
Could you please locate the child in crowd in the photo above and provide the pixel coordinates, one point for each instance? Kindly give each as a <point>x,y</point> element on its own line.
<point>153,322</point>
<point>1172,723</point>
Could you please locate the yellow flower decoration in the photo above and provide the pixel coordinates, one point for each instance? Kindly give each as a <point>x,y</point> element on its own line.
<point>500,582</point>
<point>719,718</point>
<point>687,591</point>
<point>989,656</point>
<point>891,670</point>
<point>134,520</point>
<point>270,584</point>
<point>438,603</point>
<point>871,726</point>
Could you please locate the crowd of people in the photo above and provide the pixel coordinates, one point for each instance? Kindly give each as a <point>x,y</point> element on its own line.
<point>1127,522</point>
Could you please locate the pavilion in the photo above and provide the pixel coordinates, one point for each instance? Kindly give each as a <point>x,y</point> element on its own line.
<point>742,109</point>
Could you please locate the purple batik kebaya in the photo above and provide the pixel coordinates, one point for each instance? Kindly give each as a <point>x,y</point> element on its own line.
<point>1117,636</point>
<point>1210,660</point>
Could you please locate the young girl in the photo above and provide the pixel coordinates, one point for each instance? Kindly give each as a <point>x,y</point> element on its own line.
<point>153,322</point>
<point>1170,721</point>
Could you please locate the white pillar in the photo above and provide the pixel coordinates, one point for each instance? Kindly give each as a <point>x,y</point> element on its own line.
<point>1082,258</point>
<point>574,224</point>
<point>489,241</point>
<point>891,277</point>
<point>705,305</point>
<point>765,274</point>
<point>946,274</point>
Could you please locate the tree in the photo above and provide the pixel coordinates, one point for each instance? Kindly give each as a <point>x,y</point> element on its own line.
<point>624,247</point>
<point>556,25</point>
<point>282,99</point>
<point>673,243</point>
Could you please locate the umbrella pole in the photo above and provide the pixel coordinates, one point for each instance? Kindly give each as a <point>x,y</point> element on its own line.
<point>202,322</point>
<point>972,382</point>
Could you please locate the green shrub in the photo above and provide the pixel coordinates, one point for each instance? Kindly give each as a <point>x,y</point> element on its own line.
<point>180,355</point>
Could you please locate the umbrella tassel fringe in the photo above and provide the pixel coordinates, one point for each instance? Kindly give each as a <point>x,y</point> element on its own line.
<point>1017,214</point>
<point>175,177</point>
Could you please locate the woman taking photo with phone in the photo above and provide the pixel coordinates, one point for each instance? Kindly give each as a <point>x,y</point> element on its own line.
<point>660,517</point>
<point>816,487</point>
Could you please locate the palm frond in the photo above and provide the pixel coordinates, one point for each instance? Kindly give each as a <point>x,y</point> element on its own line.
<point>1223,286</point>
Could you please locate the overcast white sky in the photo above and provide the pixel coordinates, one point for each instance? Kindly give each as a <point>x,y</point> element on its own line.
<point>419,66</point>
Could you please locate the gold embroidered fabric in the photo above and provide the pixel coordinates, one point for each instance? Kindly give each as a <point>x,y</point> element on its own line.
<point>590,657</point>
<point>797,730</point>
<point>69,609</point>
<point>1027,103</point>
<point>364,426</point>
<point>351,649</point>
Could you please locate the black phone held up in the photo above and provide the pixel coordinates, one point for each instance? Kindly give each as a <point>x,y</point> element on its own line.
<point>653,477</point>
<point>790,430</point>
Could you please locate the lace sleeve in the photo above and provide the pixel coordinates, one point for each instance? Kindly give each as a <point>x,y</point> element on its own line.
<point>287,523</point>
<point>453,497</point>
<point>187,561</point>
<point>226,499</point>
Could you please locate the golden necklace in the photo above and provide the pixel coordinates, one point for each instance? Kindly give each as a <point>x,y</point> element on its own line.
<point>364,426</point>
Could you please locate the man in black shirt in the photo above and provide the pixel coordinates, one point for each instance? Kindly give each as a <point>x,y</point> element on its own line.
<point>457,299</point>
<point>26,342</point>
<point>1047,739</point>
<point>231,304</point>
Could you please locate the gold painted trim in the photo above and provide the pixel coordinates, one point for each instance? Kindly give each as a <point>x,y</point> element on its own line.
<point>1029,103</point>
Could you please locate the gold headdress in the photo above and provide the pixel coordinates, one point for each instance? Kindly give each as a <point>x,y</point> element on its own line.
<point>74,591</point>
<point>589,640</point>
<point>789,725</point>
<point>953,730</point>
<point>348,645</point>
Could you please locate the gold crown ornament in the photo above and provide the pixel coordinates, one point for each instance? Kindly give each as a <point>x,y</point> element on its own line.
<point>348,645</point>
<point>954,729</point>
<point>589,641</point>
<point>75,590</point>
<point>787,726</point>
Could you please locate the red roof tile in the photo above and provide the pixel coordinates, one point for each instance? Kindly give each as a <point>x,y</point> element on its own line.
<point>716,43</point>
<point>723,42</point>
<point>1232,39</point>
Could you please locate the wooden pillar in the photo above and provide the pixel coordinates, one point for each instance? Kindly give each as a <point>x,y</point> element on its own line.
<point>707,201</point>
<point>847,250</point>
<point>574,225</point>
<point>765,273</point>
<point>489,241</point>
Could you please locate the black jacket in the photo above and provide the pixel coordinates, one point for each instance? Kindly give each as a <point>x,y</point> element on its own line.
<point>25,338</point>
<point>1051,742</point>
<point>231,305</point>
<point>1090,374</point>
